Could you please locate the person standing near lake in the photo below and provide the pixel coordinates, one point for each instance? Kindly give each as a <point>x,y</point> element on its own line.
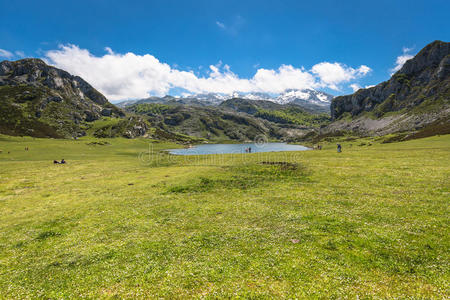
<point>339,148</point>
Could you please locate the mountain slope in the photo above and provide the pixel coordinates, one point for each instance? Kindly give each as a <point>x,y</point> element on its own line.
<point>234,119</point>
<point>204,121</point>
<point>416,96</point>
<point>277,113</point>
<point>42,101</point>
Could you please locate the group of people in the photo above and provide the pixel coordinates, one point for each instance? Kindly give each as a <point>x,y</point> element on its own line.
<point>55,161</point>
<point>319,147</point>
<point>248,150</point>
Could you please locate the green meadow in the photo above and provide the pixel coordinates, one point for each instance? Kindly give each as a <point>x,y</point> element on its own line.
<point>123,219</point>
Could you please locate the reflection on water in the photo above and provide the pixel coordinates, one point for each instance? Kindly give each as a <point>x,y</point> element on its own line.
<point>237,148</point>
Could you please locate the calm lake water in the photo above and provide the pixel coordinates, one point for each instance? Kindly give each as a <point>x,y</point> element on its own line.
<point>237,148</point>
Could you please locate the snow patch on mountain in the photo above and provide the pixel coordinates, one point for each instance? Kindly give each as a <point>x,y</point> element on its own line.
<point>308,95</point>
<point>305,97</point>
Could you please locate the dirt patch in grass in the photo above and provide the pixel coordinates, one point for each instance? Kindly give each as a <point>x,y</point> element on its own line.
<point>282,164</point>
<point>101,143</point>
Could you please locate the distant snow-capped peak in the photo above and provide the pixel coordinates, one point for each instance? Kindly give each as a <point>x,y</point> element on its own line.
<point>308,95</point>
<point>253,96</point>
<point>304,96</point>
<point>209,97</point>
<point>289,96</point>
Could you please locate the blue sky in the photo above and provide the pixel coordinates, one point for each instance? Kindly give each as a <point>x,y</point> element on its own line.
<point>237,37</point>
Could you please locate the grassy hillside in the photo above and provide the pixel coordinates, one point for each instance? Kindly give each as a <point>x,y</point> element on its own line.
<point>117,222</point>
<point>293,115</point>
<point>281,114</point>
<point>204,122</point>
<point>234,119</point>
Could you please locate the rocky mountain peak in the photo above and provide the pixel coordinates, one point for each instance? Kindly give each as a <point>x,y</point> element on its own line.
<point>36,72</point>
<point>429,57</point>
<point>47,101</point>
<point>417,95</point>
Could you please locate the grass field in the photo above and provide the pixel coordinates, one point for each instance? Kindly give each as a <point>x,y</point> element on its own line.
<point>128,221</point>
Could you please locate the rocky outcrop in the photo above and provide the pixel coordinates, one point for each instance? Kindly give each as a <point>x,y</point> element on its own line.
<point>426,77</point>
<point>417,95</point>
<point>36,72</point>
<point>136,127</point>
<point>31,89</point>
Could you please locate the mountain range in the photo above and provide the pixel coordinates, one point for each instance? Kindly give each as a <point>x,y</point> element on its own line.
<point>234,119</point>
<point>313,100</point>
<point>43,101</point>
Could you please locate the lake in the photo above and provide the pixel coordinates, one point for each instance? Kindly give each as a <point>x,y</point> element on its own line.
<point>237,148</point>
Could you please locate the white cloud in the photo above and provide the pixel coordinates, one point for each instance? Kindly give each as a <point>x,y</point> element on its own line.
<point>233,25</point>
<point>355,87</point>
<point>332,74</point>
<point>400,61</point>
<point>363,70</point>
<point>6,54</point>
<point>220,24</point>
<point>109,50</point>
<point>369,86</point>
<point>125,76</point>
<point>406,49</point>
<point>20,54</point>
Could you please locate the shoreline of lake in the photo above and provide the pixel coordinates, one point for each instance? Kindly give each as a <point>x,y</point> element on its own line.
<point>208,149</point>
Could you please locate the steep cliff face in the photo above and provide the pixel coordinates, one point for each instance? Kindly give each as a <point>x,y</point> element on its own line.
<point>39,100</point>
<point>422,85</point>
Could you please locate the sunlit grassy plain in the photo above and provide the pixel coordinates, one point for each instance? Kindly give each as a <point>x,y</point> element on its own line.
<point>372,221</point>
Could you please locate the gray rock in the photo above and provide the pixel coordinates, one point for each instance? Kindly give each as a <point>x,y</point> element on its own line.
<point>107,112</point>
<point>424,77</point>
<point>54,99</point>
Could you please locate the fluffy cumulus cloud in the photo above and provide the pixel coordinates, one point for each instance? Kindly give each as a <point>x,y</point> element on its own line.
<point>333,74</point>
<point>400,61</point>
<point>127,76</point>
<point>355,87</point>
<point>6,54</point>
